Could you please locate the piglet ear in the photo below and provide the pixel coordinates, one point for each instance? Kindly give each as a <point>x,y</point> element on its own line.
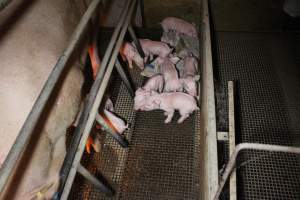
<point>196,78</point>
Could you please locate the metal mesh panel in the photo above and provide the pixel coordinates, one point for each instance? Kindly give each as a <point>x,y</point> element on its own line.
<point>263,113</point>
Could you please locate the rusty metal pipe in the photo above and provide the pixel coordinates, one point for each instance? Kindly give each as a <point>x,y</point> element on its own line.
<point>248,146</point>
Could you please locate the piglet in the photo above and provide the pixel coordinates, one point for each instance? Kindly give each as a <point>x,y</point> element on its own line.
<point>129,52</point>
<point>169,72</point>
<point>140,97</point>
<point>180,26</point>
<point>115,122</point>
<point>151,48</point>
<point>154,83</point>
<point>169,102</point>
<point>189,75</point>
<point>172,38</point>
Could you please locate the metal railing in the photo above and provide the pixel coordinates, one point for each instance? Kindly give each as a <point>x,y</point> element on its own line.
<point>248,146</point>
<point>89,116</point>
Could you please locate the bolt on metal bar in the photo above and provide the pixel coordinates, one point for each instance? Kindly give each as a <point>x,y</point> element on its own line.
<point>124,78</point>
<point>90,177</point>
<point>27,129</point>
<point>232,181</point>
<point>87,125</point>
<point>136,41</point>
<point>248,146</point>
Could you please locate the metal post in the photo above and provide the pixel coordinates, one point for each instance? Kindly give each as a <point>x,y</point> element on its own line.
<point>125,79</point>
<point>208,133</point>
<point>95,99</point>
<point>254,146</point>
<point>122,141</point>
<point>136,41</point>
<point>232,181</point>
<point>26,131</point>
<point>90,177</point>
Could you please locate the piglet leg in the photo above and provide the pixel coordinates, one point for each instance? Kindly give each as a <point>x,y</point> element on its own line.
<point>169,116</point>
<point>182,118</point>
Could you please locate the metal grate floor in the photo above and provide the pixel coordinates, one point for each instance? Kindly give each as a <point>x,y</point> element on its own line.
<point>162,161</point>
<point>266,69</point>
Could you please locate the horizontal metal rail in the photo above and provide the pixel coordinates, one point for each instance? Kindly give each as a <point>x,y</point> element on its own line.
<point>31,121</point>
<point>248,146</point>
<point>87,119</point>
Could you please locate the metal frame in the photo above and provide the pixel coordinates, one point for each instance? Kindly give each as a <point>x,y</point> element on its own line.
<point>72,161</point>
<point>232,181</point>
<point>26,131</point>
<point>250,146</point>
<point>208,134</point>
<point>110,61</point>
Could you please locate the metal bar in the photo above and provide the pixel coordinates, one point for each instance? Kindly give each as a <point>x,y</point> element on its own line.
<point>208,133</point>
<point>90,177</point>
<point>4,3</point>
<point>122,141</point>
<point>142,7</point>
<point>232,181</point>
<point>136,41</point>
<point>87,125</point>
<point>84,124</point>
<point>248,146</point>
<point>125,79</point>
<point>27,129</point>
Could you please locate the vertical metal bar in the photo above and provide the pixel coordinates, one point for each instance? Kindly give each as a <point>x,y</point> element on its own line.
<point>208,134</point>
<point>27,129</point>
<point>232,181</point>
<point>136,41</point>
<point>90,177</point>
<point>254,146</point>
<point>124,78</point>
<point>94,103</point>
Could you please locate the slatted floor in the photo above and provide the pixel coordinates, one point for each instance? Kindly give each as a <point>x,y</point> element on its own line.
<point>266,69</point>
